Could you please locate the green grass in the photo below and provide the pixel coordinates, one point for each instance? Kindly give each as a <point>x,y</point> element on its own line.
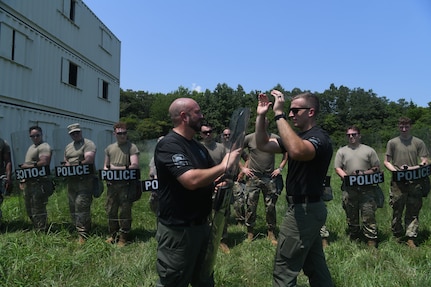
<point>28,258</point>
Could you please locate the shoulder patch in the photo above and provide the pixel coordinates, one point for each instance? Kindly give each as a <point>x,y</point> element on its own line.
<point>179,160</point>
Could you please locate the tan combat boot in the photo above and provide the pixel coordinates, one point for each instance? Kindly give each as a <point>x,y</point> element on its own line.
<point>325,242</point>
<point>250,234</point>
<point>271,237</point>
<point>224,248</point>
<point>372,243</point>
<point>112,239</point>
<point>411,243</point>
<point>122,239</point>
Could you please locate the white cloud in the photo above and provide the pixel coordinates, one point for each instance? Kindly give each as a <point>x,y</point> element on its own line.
<point>196,87</point>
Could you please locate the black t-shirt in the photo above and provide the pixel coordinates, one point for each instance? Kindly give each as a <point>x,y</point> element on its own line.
<point>173,156</point>
<point>307,177</point>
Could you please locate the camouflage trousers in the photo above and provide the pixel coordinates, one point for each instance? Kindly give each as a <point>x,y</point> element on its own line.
<point>35,204</point>
<point>118,208</point>
<point>239,198</point>
<point>80,195</point>
<point>406,195</point>
<point>360,202</point>
<point>254,186</point>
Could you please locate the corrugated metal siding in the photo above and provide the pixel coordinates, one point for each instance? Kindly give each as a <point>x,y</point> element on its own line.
<point>32,91</point>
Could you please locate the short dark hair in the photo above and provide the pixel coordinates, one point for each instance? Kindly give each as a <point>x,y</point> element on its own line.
<point>355,128</point>
<point>404,121</point>
<point>39,129</point>
<point>311,99</point>
<point>120,125</point>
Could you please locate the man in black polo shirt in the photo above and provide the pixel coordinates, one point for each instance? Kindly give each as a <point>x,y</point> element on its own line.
<point>186,175</point>
<point>310,151</point>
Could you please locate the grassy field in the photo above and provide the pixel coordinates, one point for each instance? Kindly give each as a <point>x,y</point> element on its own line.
<point>28,258</point>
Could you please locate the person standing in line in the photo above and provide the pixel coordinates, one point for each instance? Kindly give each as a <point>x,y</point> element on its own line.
<point>120,156</point>
<point>5,171</point>
<point>358,201</point>
<point>261,176</point>
<point>37,190</point>
<point>238,189</point>
<point>403,153</point>
<point>186,174</point>
<point>310,152</point>
<point>153,199</point>
<point>217,152</point>
<point>80,188</point>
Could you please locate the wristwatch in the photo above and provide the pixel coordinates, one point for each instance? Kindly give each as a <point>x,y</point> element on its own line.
<point>280,116</point>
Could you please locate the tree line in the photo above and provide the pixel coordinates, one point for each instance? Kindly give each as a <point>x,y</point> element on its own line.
<point>377,117</point>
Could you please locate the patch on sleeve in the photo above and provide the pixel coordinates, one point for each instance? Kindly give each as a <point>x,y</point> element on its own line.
<point>315,141</point>
<point>179,160</point>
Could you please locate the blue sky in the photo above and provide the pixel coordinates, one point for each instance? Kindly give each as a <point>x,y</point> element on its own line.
<point>382,45</point>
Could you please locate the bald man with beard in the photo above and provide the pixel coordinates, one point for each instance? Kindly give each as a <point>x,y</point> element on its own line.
<point>186,175</point>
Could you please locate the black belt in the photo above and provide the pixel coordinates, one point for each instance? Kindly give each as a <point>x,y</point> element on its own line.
<point>191,223</point>
<point>303,198</point>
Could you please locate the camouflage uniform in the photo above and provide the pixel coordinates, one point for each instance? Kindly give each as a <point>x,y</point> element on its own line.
<point>4,151</point>
<point>80,189</point>
<point>118,202</point>
<point>239,196</point>
<point>266,184</point>
<point>408,194</point>
<point>37,190</point>
<point>262,166</point>
<point>80,195</point>
<point>359,201</point>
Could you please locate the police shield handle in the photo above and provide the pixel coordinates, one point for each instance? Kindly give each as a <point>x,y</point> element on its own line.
<point>74,170</point>
<point>32,172</point>
<point>119,174</point>
<point>364,179</point>
<point>149,185</point>
<point>411,174</point>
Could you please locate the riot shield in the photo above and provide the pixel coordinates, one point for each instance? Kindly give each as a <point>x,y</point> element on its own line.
<point>238,126</point>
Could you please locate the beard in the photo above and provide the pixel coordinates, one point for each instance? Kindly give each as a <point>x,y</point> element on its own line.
<point>195,125</point>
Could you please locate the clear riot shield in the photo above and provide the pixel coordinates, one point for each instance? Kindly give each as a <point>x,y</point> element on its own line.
<point>238,125</point>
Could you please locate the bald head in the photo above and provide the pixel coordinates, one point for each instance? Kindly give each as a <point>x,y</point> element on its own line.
<point>178,106</point>
<point>186,112</point>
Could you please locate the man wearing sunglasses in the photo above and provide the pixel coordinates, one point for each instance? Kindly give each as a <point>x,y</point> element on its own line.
<point>120,155</point>
<point>310,151</point>
<point>37,190</point>
<point>217,152</point>
<point>359,201</point>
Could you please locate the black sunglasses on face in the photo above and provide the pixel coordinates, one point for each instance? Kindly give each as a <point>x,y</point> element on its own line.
<point>121,133</point>
<point>207,132</point>
<point>295,111</point>
<point>351,135</point>
<point>35,136</point>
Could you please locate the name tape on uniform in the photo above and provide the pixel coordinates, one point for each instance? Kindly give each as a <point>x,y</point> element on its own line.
<point>413,174</point>
<point>74,170</point>
<point>149,185</point>
<point>364,179</point>
<point>119,174</point>
<point>32,172</point>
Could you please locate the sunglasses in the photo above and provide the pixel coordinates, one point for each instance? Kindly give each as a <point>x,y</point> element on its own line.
<point>35,136</point>
<point>226,135</point>
<point>352,135</point>
<point>121,133</point>
<point>295,111</point>
<point>207,132</point>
